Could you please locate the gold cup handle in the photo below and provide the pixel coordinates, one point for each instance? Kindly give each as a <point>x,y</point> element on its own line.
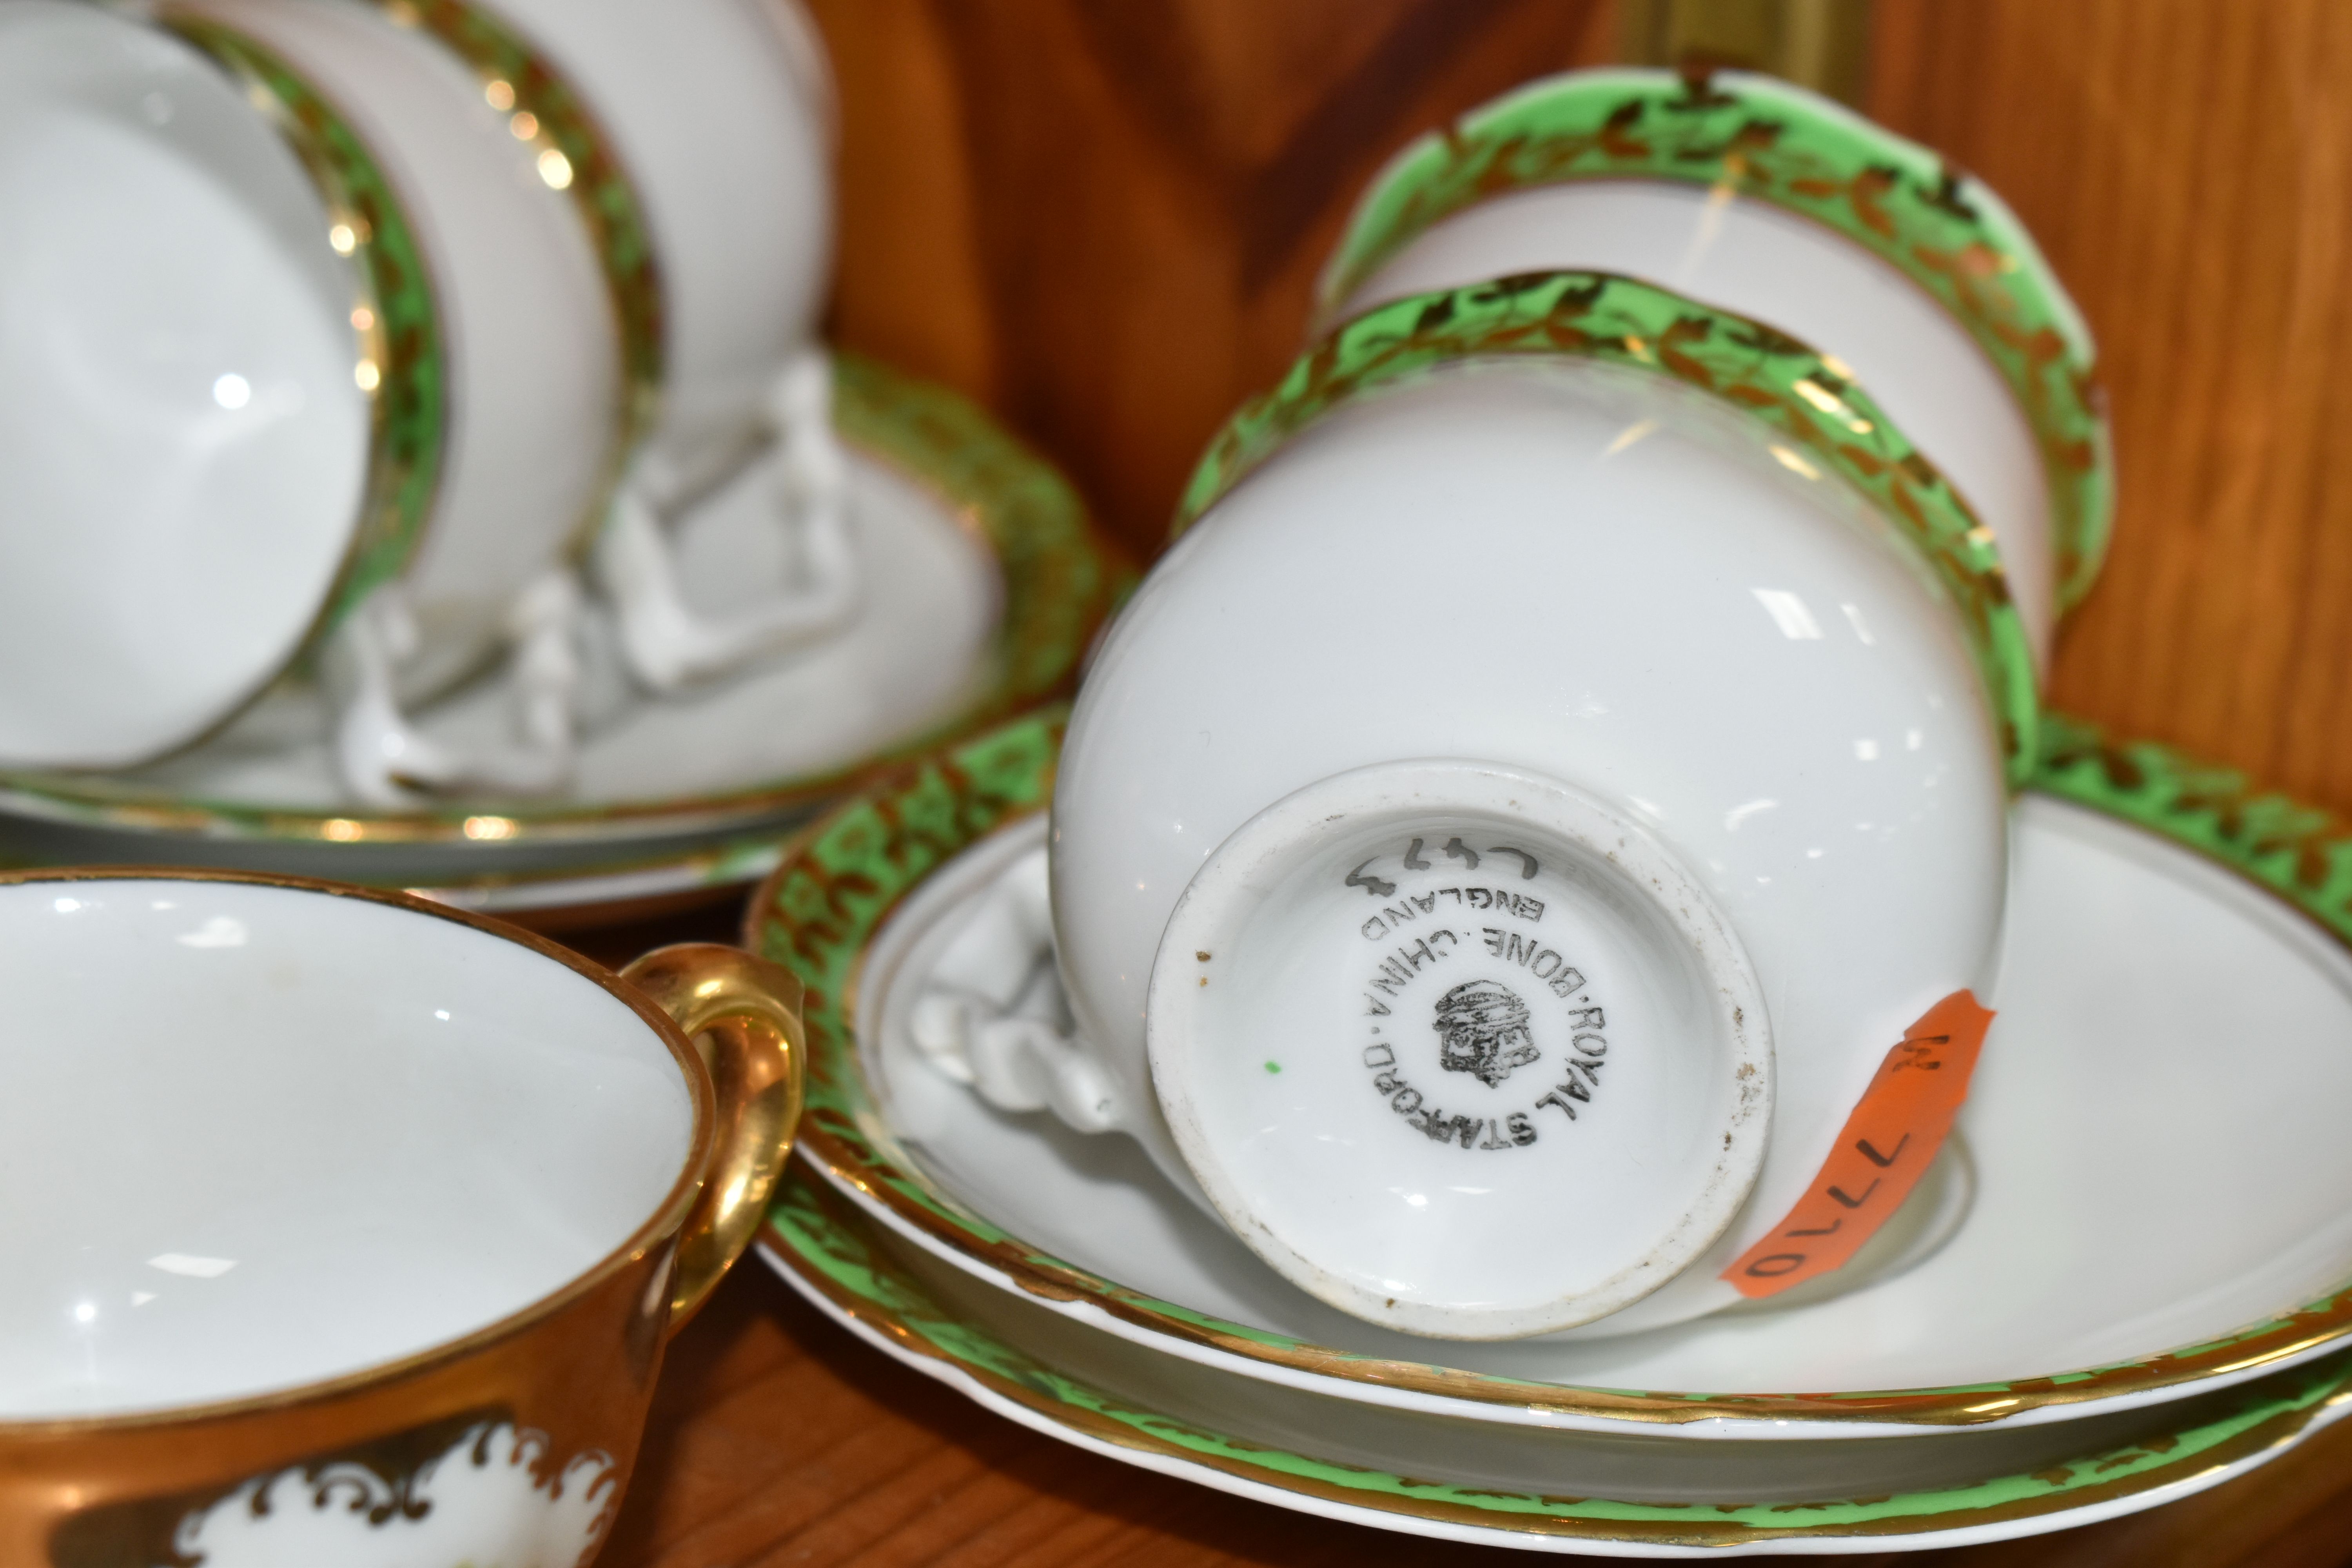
<point>743,1014</point>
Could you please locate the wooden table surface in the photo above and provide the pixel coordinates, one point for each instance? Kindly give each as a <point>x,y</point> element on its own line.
<point>778,1438</point>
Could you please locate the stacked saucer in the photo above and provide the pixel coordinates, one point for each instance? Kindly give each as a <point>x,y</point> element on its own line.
<point>460,499</point>
<point>1622,1011</point>
<point>2139,1296</point>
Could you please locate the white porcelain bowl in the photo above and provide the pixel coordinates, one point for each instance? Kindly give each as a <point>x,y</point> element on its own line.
<point>1618,589</point>
<point>373,1132</point>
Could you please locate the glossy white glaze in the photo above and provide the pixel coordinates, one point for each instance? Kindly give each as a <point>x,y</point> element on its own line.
<point>1267,1421</point>
<point>1605,579</point>
<point>251,1137</point>
<point>1760,260</point>
<point>720,110</point>
<point>182,440</point>
<point>986,1009</point>
<point>533,382</point>
<point>720,113</point>
<point>917,644</point>
<point>804,488</point>
<point>2130,1196</point>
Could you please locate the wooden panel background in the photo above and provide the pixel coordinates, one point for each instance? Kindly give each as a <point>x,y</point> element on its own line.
<point>1102,218</point>
<point>2187,166</point>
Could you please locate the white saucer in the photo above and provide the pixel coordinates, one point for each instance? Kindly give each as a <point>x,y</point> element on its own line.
<point>2108,1134</point>
<point>1651,1495</point>
<point>2159,1188</point>
<point>986,582</point>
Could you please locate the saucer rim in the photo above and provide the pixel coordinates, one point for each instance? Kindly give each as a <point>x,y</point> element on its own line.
<point>1063,576</point>
<point>842,876</point>
<point>1572,117</point>
<point>818,1241</point>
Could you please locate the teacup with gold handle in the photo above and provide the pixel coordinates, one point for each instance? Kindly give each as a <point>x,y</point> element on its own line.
<point>339,1217</point>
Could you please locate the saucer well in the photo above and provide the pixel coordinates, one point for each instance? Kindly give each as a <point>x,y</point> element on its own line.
<point>987,583</point>
<point>2150,1222</point>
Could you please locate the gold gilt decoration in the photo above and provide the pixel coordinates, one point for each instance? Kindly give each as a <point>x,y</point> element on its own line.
<point>571,154</point>
<point>834,1251</point>
<point>552,1394</point>
<point>1816,419</point>
<point>1751,136</point>
<point>1061,580</point>
<point>842,878</point>
<point>400,361</point>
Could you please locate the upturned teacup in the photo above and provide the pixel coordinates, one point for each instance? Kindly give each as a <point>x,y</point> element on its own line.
<point>348,1229</point>
<point>1766,199</point>
<point>1506,835</point>
<point>327,386</point>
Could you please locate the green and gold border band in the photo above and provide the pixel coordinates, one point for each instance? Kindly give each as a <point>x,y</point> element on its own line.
<point>1752,136</point>
<point>574,156</point>
<point>400,365</point>
<point>1061,581</point>
<point>1820,422</point>
<point>843,876</point>
<point>828,1245</point>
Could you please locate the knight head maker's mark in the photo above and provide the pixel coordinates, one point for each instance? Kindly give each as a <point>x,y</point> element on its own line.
<point>1495,993</point>
<point>1482,1028</point>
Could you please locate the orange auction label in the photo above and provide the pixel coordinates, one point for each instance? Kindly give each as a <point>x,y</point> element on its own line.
<point>1895,1130</point>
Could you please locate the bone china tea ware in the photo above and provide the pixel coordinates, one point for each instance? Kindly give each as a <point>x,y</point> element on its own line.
<point>2052,1337</point>
<point>1561,758</point>
<point>384,282</point>
<point>696,142</point>
<point>1776,203</point>
<point>183,442</point>
<point>347,1229</point>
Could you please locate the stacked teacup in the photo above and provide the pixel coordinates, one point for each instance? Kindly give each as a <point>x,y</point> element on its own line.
<point>1532,852</point>
<point>344,338</point>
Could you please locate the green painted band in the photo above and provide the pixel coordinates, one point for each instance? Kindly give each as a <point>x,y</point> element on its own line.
<point>544,110</point>
<point>828,1244</point>
<point>843,876</point>
<point>1757,137</point>
<point>401,360</point>
<point>1819,419</point>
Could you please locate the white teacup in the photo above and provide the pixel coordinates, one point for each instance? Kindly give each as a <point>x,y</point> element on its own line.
<point>323,1196</point>
<point>1551,618</point>
<point>372,273</point>
<point>184,446</point>
<point>1776,203</point>
<point>697,142</point>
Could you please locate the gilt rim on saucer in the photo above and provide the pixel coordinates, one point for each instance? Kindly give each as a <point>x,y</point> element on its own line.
<point>842,876</point>
<point>1062,578</point>
<point>824,1248</point>
<point>1751,135</point>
